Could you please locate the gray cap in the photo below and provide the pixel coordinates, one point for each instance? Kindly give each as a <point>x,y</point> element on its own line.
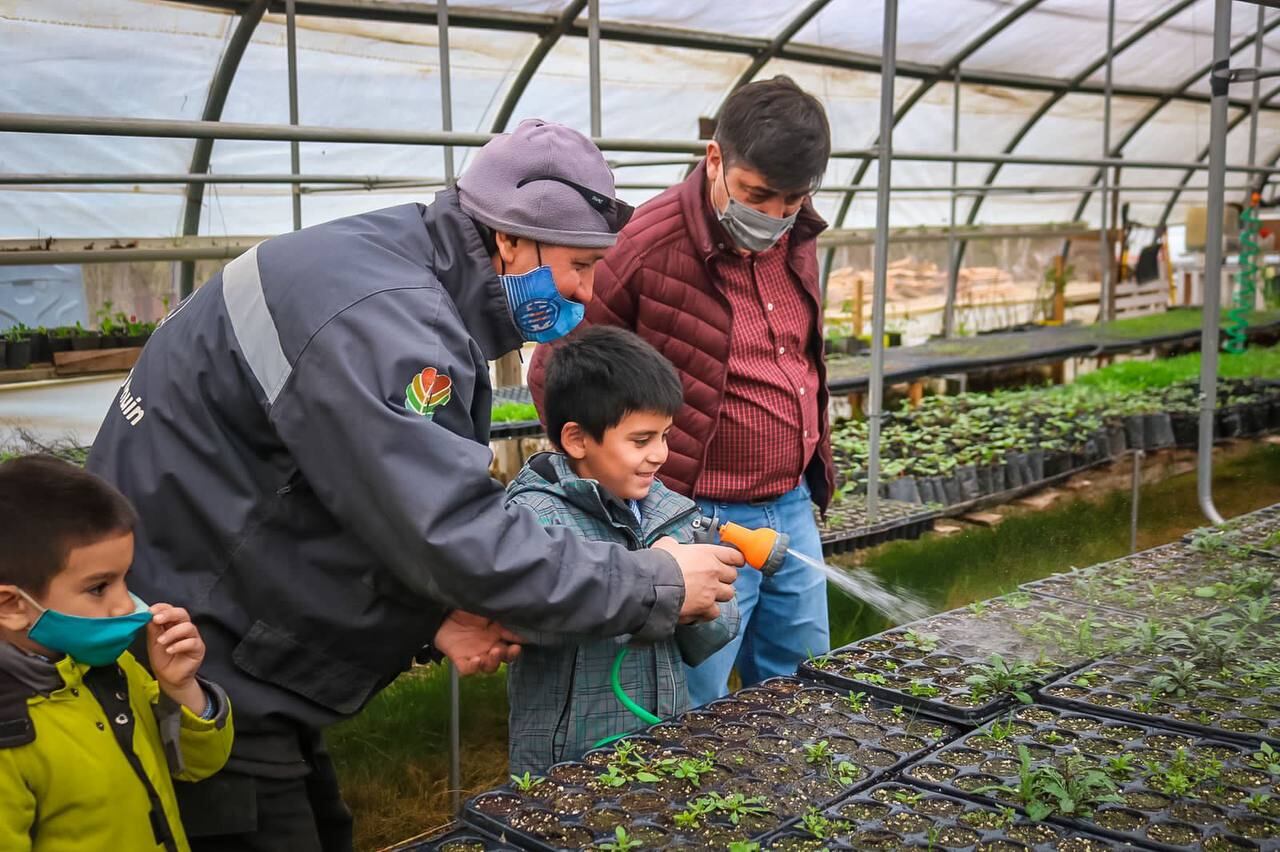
<point>544,210</point>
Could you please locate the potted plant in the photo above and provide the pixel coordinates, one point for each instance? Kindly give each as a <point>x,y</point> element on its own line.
<point>136,333</point>
<point>83,339</point>
<point>40,352</point>
<point>18,351</point>
<point>60,339</point>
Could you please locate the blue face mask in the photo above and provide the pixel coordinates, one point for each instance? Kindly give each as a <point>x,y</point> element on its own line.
<point>93,641</point>
<point>539,311</point>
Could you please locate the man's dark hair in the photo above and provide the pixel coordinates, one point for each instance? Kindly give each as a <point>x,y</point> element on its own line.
<point>49,507</point>
<point>778,129</point>
<point>601,375</point>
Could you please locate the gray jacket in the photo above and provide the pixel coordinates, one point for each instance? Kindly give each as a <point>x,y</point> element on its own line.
<point>560,688</point>
<point>317,509</point>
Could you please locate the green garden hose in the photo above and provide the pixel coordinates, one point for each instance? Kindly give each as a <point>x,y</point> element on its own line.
<point>1238,317</point>
<point>615,675</point>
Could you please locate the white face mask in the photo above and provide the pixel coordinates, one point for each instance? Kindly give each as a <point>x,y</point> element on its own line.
<point>748,227</point>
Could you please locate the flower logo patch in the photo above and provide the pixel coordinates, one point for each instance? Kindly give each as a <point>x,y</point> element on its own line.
<point>428,391</point>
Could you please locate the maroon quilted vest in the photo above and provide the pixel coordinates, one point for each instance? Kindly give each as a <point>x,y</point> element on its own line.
<point>660,282</point>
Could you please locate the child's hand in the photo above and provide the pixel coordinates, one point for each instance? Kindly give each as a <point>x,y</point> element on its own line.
<point>176,650</point>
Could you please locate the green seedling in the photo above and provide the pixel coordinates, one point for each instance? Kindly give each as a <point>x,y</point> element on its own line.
<point>1001,730</point>
<point>1073,789</point>
<point>899,712</point>
<point>695,813</point>
<point>1120,767</point>
<point>921,689</point>
<point>890,666</point>
<point>873,678</point>
<point>736,806</point>
<point>907,798</point>
<point>1259,803</point>
<point>920,641</point>
<point>1053,738</point>
<point>818,753</point>
<point>818,825</point>
<point>996,678</point>
<point>526,782</point>
<point>744,846</point>
<point>1266,759</point>
<point>857,701</point>
<point>692,769</point>
<point>622,842</point>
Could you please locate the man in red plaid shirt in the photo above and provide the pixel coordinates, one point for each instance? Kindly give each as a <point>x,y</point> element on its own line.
<point>720,274</point>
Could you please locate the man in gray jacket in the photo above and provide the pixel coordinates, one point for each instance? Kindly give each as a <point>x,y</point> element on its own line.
<point>305,440</point>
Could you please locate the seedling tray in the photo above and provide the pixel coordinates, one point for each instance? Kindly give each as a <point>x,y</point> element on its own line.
<point>1252,530</point>
<point>900,816</point>
<point>1232,709</point>
<point>846,528</point>
<point>1210,812</point>
<point>456,839</point>
<point>1170,581</point>
<point>761,742</point>
<point>942,651</point>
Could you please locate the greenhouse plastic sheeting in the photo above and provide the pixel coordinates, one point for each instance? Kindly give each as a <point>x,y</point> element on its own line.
<point>146,58</point>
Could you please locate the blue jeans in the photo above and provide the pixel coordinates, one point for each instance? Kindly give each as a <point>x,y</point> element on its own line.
<point>784,617</point>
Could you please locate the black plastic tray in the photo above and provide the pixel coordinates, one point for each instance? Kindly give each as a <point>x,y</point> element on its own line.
<point>458,838</point>
<point>962,639</point>
<point>1233,715</point>
<point>976,761</point>
<point>1161,582</point>
<point>898,816</point>
<point>749,725</point>
<point>1248,530</point>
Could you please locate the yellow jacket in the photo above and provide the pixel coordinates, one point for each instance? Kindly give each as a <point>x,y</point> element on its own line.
<point>72,787</point>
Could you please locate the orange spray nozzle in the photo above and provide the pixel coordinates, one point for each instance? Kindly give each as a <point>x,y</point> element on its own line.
<point>763,549</point>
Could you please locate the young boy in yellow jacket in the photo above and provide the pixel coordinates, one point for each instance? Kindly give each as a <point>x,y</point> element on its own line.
<point>89,741</point>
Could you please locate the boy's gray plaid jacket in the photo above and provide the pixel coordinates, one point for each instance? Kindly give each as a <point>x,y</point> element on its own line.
<point>561,698</point>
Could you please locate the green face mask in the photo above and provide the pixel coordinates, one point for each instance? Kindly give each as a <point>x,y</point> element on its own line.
<point>93,641</point>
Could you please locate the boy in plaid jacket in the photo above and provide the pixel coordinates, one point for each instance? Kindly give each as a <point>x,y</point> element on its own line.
<point>609,402</point>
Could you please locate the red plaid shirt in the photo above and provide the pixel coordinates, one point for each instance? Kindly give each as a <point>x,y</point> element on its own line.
<point>769,423</point>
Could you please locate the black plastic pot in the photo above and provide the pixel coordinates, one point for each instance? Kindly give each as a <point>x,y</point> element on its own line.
<point>83,342</point>
<point>1157,431</point>
<point>59,344</point>
<point>981,762</point>
<point>18,354</point>
<point>112,341</point>
<point>136,340</point>
<point>951,490</point>
<point>40,353</point>
<point>1117,439</point>
<point>904,488</point>
<point>1035,459</point>
<point>1186,429</point>
<point>967,478</point>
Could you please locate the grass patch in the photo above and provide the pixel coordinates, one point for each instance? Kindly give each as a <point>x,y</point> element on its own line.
<point>513,412</point>
<point>1166,372</point>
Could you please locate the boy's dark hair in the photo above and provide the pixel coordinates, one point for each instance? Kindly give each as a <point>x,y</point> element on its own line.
<point>48,507</point>
<point>603,374</point>
<point>778,129</point>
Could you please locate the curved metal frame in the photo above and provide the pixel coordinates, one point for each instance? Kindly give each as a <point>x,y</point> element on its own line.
<point>945,72</point>
<point>1072,87</point>
<point>533,61</point>
<point>1187,83</point>
<point>219,88</point>
<point>1204,153</point>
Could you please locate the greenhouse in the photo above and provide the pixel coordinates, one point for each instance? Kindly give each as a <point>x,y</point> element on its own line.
<point>588,424</point>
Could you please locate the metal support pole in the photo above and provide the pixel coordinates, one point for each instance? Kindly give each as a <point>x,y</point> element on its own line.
<point>295,165</point>
<point>875,385</point>
<point>1137,493</point>
<point>446,86</point>
<point>446,125</point>
<point>953,258</point>
<point>593,54</point>
<point>1257,92</point>
<point>1213,257</point>
<point>1105,252</point>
